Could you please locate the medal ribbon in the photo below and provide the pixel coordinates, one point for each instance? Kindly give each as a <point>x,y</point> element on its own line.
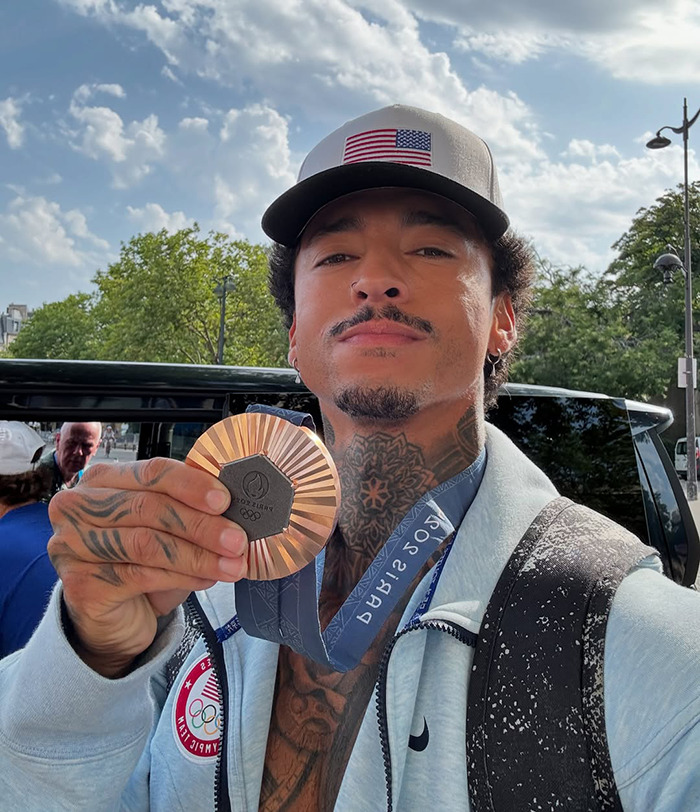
<point>285,611</point>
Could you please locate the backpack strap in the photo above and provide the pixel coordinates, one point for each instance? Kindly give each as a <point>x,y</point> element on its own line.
<point>535,714</point>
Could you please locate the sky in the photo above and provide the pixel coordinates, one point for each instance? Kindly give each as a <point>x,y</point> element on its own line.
<point>119,117</point>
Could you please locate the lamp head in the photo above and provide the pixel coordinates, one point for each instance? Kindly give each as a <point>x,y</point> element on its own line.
<point>668,263</point>
<point>658,142</point>
<point>229,285</point>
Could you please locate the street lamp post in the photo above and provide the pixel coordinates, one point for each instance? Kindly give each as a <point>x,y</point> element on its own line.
<point>227,284</point>
<point>667,263</point>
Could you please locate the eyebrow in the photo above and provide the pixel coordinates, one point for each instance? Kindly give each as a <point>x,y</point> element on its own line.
<point>429,218</point>
<point>339,226</point>
<point>417,217</point>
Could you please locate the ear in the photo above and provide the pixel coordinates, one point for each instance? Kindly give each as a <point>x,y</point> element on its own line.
<point>503,334</point>
<point>292,354</point>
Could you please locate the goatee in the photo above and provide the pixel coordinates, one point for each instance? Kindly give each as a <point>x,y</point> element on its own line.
<point>381,404</point>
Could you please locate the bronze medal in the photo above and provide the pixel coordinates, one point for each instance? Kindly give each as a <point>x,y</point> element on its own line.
<point>284,487</point>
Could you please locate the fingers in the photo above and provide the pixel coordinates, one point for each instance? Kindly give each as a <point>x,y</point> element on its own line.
<point>220,557</point>
<point>85,584</point>
<point>144,522</point>
<point>183,483</point>
<point>107,507</point>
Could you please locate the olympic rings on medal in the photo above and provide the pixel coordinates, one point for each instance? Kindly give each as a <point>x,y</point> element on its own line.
<point>251,515</point>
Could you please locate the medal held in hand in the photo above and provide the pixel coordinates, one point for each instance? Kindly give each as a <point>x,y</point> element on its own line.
<point>285,491</point>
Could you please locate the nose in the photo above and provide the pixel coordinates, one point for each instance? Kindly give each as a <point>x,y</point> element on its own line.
<point>379,279</point>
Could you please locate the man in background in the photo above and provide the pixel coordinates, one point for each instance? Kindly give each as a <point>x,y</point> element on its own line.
<point>76,445</point>
<point>26,574</point>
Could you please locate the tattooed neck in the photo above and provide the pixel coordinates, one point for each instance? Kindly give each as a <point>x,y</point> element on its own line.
<point>382,474</point>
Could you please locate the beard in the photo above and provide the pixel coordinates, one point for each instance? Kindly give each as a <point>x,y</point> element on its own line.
<point>381,404</point>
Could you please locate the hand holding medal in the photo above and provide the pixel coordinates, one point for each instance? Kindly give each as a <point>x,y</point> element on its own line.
<point>284,486</point>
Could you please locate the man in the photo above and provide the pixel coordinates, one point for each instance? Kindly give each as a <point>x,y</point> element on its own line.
<point>403,298</point>
<point>76,445</point>
<point>26,574</point>
<point>109,439</point>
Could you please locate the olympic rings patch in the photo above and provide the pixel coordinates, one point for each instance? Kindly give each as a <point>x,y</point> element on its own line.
<point>196,717</point>
<point>251,515</point>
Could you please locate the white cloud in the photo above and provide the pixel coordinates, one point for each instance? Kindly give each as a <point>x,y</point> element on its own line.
<point>85,92</point>
<point>582,148</point>
<point>640,40</point>
<point>591,17</point>
<point>153,217</point>
<point>515,47</point>
<point>130,150</point>
<point>323,61</point>
<point>300,51</point>
<point>574,211</point>
<point>10,110</point>
<point>169,74</point>
<point>238,168</point>
<point>195,124</point>
<point>37,231</point>
<point>661,47</point>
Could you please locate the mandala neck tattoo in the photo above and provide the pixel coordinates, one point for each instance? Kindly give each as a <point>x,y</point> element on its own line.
<point>382,475</point>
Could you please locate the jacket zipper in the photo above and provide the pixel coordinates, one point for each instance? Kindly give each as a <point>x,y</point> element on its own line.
<point>454,630</point>
<point>216,655</point>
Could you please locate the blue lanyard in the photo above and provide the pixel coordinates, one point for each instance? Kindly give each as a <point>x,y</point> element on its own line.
<point>285,611</point>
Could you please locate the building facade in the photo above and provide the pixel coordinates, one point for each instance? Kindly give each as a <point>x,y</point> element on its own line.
<point>11,322</point>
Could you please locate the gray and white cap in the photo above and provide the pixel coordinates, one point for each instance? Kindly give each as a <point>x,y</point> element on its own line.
<point>395,146</point>
<point>20,448</point>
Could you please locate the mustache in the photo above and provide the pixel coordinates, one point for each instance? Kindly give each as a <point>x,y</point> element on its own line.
<point>389,312</point>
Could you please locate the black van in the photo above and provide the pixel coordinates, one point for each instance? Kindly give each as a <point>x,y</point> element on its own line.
<point>604,452</point>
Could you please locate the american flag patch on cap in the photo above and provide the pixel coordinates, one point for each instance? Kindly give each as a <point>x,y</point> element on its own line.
<point>396,146</point>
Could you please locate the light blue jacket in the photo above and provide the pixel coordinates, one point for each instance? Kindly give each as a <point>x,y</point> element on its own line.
<point>72,740</point>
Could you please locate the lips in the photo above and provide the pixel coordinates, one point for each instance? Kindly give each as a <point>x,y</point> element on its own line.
<point>381,332</point>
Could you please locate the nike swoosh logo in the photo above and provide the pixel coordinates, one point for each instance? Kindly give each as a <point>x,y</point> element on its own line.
<point>419,743</point>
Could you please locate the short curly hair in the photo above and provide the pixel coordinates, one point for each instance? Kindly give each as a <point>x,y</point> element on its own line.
<point>513,271</point>
<point>31,486</point>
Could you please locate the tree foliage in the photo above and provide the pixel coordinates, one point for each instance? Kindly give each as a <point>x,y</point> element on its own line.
<point>579,337</point>
<point>62,330</point>
<point>620,333</point>
<point>157,303</point>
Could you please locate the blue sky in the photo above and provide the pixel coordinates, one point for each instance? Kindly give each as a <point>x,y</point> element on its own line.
<point>118,117</point>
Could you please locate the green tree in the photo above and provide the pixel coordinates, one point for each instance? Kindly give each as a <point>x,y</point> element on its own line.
<point>651,303</point>
<point>579,336</point>
<point>157,303</point>
<point>620,333</point>
<point>58,330</point>
<point>655,311</point>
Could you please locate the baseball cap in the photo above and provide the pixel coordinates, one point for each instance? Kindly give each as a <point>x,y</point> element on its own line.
<point>395,146</point>
<point>20,447</point>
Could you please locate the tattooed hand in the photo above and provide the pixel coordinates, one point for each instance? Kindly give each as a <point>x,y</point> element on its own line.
<point>130,542</point>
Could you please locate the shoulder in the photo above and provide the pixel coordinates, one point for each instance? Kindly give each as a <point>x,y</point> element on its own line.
<point>652,690</point>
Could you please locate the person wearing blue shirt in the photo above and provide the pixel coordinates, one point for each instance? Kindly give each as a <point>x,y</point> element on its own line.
<point>26,573</point>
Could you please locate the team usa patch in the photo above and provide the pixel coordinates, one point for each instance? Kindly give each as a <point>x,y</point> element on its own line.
<point>197,720</point>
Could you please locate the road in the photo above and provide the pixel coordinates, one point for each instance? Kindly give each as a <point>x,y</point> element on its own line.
<point>115,455</point>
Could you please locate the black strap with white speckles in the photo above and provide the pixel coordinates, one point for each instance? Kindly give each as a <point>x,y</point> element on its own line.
<point>535,716</point>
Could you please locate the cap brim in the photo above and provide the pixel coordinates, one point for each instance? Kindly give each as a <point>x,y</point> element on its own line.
<point>286,218</point>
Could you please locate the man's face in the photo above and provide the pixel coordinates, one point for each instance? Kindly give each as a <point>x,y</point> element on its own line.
<point>75,447</point>
<point>393,292</point>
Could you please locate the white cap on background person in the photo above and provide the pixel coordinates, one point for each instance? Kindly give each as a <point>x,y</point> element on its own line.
<point>20,448</point>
